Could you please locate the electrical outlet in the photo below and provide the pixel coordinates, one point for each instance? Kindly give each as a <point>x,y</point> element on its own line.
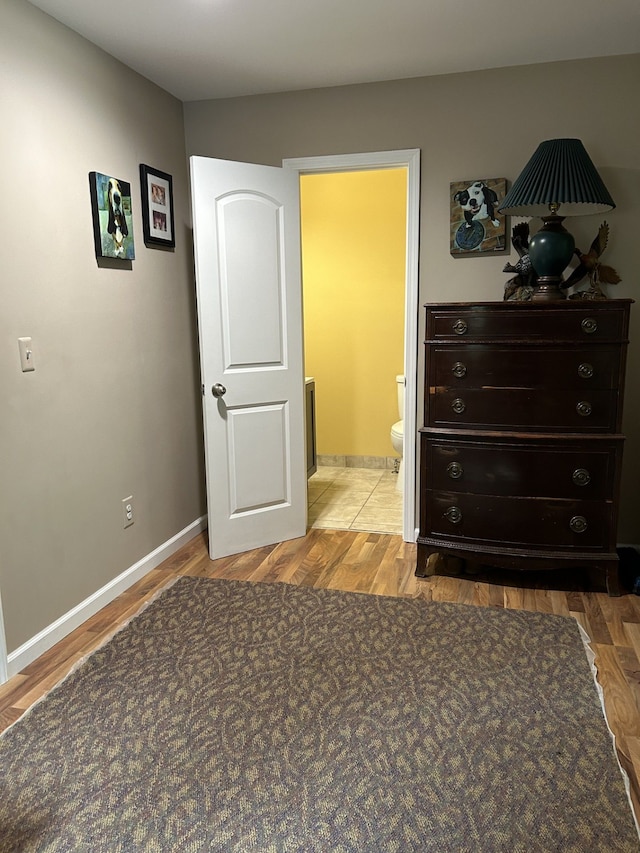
<point>127,511</point>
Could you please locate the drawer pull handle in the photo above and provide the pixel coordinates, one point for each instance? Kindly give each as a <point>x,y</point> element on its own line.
<point>460,327</point>
<point>458,406</point>
<point>578,524</point>
<point>454,514</point>
<point>589,325</point>
<point>581,477</point>
<point>584,409</point>
<point>459,370</point>
<point>455,470</point>
<point>585,370</point>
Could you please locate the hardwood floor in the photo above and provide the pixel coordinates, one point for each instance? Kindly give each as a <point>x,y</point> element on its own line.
<point>384,565</point>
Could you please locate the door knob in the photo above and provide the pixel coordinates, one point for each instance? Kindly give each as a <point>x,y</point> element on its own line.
<point>218,390</point>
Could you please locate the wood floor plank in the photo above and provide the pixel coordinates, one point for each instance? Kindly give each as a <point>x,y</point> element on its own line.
<point>529,600</point>
<point>514,598</point>
<point>631,668</point>
<point>612,610</point>
<point>44,685</point>
<point>575,602</point>
<point>559,602</point>
<point>10,688</point>
<point>444,588</point>
<point>405,566</point>
<point>304,569</point>
<point>270,569</point>
<point>388,577</point>
<point>599,631</point>
<point>543,601</point>
<point>632,630</point>
<point>634,606</point>
<point>632,749</point>
<point>622,712</point>
<point>8,717</point>
<point>496,595</point>
<point>467,592</point>
<point>628,606</point>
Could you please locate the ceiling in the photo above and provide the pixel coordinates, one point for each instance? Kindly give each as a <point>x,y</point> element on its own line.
<point>200,49</point>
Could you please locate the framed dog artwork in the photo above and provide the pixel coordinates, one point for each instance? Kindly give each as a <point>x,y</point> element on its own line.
<point>157,207</point>
<point>475,225</point>
<point>112,218</point>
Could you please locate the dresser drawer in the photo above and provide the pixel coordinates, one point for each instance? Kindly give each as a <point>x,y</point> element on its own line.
<point>512,409</point>
<point>508,522</point>
<point>528,321</point>
<point>513,469</point>
<point>478,365</point>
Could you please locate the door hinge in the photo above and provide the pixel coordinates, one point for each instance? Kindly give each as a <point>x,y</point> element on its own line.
<point>202,387</point>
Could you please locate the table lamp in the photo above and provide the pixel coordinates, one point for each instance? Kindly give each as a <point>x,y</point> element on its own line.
<point>560,176</point>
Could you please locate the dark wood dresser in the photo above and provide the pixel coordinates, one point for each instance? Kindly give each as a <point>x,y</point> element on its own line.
<point>521,447</point>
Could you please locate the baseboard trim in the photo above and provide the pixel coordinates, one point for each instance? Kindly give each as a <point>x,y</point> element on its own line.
<point>49,636</point>
<point>3,650</point>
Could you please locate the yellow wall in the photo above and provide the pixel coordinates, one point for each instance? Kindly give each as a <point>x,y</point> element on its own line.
<point>353,256</point>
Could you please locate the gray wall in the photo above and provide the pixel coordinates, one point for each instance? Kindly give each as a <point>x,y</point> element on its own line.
<point>113,406</point>
<point>484,124</point>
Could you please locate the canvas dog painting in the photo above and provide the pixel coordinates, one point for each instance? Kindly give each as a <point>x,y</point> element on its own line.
<point>475,224</point>
<point>117,225</point>
<point>112,224</point>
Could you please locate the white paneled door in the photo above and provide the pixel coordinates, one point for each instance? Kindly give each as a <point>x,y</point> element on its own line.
<point>247,248</point>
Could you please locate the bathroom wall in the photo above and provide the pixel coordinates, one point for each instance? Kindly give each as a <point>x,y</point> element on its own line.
<point>353,255</point>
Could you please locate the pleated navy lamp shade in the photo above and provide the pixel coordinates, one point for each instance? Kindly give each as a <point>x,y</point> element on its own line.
<point>559,178</point>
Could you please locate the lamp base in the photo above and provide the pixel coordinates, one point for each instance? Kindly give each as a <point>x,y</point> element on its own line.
<point>548,289</point>
<point>550,250</point>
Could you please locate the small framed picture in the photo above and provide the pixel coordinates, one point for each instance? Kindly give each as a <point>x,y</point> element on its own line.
<point>112,217</point>
<point>157,207</point>
<point>475,225</point>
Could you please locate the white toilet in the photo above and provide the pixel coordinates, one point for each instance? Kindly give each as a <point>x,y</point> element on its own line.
<point>397,433</point>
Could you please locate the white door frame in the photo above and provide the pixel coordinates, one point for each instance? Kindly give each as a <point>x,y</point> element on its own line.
<point>410,159</point>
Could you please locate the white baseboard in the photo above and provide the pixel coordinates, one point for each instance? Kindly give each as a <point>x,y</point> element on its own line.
<point>3,650</point>
<point>49,636</point>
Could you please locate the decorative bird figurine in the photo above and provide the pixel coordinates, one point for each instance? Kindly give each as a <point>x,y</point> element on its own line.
<point>589,265</point>
<point>520,287</point>
<point>520,238</point>
<point>523,266</point>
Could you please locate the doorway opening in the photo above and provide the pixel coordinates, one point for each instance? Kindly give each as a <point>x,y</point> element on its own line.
<point>406,165</point>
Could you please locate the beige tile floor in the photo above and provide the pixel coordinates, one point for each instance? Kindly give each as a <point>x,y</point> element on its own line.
<point>355,499</point>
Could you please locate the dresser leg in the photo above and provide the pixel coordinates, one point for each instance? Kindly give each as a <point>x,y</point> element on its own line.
<point>437,564</point>
<point>421,565</point>
<point>429,564</point>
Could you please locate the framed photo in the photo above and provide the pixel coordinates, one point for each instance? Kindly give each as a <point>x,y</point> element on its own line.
<point>475,226</point>
<point>112,217</point>
<point>157,207</point>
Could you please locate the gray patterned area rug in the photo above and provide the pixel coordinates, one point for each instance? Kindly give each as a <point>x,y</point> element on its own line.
<point>234,716</point>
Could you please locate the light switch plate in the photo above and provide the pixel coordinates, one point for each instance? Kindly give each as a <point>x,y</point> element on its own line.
<point>26,355</point>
